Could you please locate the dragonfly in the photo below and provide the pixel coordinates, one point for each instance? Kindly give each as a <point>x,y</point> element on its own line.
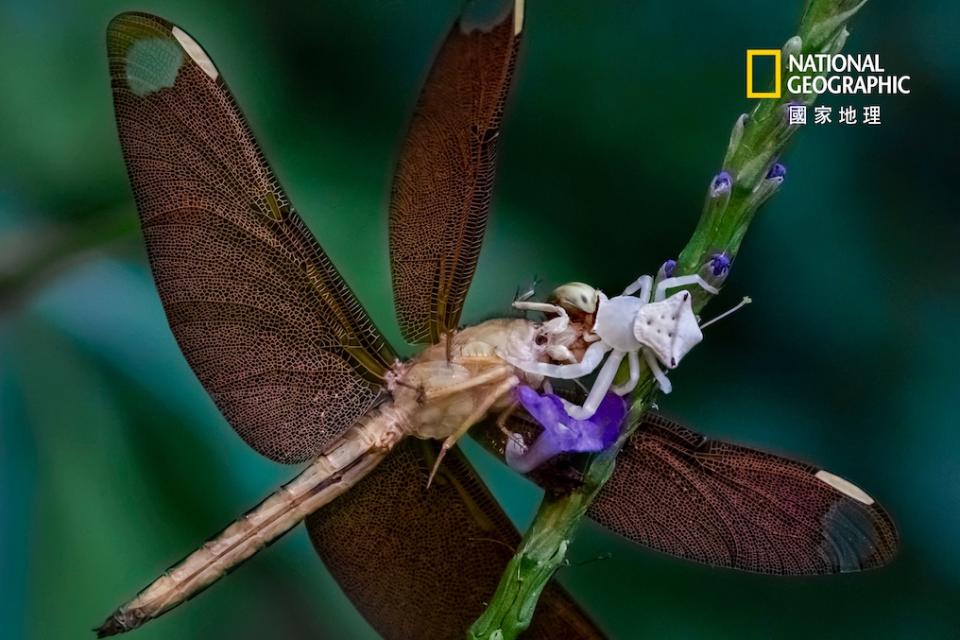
<point>301,372</point>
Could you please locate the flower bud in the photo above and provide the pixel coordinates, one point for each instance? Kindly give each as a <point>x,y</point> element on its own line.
<point>716,269</point>
<point>721,185</point>
<point>667,269</point>
<point>719,264</point>
<point>777,171</point>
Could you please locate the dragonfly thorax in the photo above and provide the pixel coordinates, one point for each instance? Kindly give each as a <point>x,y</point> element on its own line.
<point>445,389</point>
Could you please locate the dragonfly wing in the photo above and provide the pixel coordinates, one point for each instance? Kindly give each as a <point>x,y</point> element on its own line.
<point>260,312</point>
<point>727,505</point>
<point>422,563</point>
<point>444,178</point>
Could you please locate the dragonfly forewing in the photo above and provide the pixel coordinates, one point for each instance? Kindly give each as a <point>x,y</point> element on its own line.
<point>263,317</point>
<point>444,178</point>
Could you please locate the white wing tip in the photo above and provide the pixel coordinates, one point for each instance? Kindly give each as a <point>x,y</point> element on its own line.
<point>844,486</point>
<point>518,17</point>
<point>196,52</point>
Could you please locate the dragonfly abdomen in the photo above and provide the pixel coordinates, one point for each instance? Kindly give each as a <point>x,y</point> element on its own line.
<point>346,462</point>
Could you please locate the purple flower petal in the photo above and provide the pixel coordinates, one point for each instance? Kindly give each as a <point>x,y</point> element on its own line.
<point>561,433</point>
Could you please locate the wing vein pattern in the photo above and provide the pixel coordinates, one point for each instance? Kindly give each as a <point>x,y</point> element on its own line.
<point>444,178</point>
<point>422,563</point>
<point>263,317</point>
<point>727,505</point>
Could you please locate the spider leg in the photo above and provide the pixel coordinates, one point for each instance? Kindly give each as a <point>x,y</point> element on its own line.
<point>600,387</point>
<point>681,281</point>
<point>658,373</point>
<point>591,360</point>
<point>633,358</point>
<point>641,284</point>
<point>475,416</point>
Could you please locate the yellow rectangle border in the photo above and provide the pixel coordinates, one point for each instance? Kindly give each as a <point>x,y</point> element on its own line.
<point>775,53</point>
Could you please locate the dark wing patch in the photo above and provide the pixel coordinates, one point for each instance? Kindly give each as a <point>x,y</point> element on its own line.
<point>423,563</point>
<point>444,178</point>
<point>730,506</point>
<point>270,328</point>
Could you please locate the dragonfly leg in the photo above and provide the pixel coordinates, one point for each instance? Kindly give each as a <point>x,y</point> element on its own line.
<point>448,341</point>
<point>475,416</point>
<point>421,392</point>
<point>495,373</point>
<point>554,325</point>
<point>505,415</point>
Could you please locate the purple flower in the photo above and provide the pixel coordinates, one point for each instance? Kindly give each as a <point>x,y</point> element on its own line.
<point>667,269</point>
<point>720,264</point>
<point>777,171</point>
<point>721,184</point>
<point>561,433</point>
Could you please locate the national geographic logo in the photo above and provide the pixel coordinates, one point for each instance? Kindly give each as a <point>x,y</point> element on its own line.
<point>766,53</point>
<point>820,73</point>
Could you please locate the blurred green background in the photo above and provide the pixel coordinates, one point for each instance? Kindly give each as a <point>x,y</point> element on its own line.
<point>114,463</point>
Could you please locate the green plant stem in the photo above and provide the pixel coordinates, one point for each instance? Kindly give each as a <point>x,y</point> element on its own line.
<point>755,144</point>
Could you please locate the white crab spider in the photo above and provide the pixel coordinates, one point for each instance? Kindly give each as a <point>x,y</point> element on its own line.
<point>662,329</point>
